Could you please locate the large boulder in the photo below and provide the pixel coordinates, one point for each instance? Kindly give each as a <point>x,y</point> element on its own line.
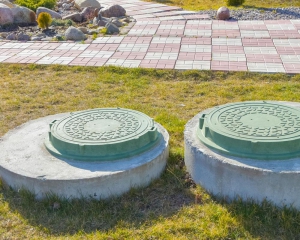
<point>76,17</point>
<point>113,11</point>
<point>88,13</point>
<point>8,3</point>
<point>86,3</point>
<point>47,10</point>
<point>6,16</point>
<point>23,15</point>
<point>223,13</point>
<point>75,34</point>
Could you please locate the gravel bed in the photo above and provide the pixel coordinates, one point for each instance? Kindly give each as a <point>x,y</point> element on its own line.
<point>260,14</point>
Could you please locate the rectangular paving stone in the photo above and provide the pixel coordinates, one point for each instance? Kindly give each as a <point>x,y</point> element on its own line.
<point>172,18</point>
<point>260,42</point>
<point>280,27</point>
<point>156,55</point>
<point>129,47</point>
<point>174,27</point>
<point>2,58</point>
<point>228,49</point>
<point>260,50</point>
<point>225,26</point>
<point>136,56</point>
<point>166,40</point>
<point>282,50</point>
<point>44,46</point>
<point>161,47</point>
<point>15,45</point>
<point>201,65</point>
<point>79,61</point>
<point>226,34</point>
<point>228,57</point>
<point>228,66</point>
<point>290,58</point>
<point>192,56</point>
<point>95,47</point>
<point>285,34</point>
<point>198,32</point>
<point>33,53</point>
<point>55,60</point>
<point>120,55</point>
<point>96,62</point>
<point>196,16</point>
<point>195,40</point>
<point>195,48</point>
<point>292,67</point>
<point>148,22</point>
<point>254,34</point>
<point>263,58</point>
<point>265,67</point>
<point>227,41</point>
<point>109,39</point>
<point>167,32</point>
<point>73,46</point>
<point>287,42</point>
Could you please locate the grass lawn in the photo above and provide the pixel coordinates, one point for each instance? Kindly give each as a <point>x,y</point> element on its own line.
<point>197,5</point>
<point>172,207</point>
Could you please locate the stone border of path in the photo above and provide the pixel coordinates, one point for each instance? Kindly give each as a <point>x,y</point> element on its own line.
<point>164,37</point>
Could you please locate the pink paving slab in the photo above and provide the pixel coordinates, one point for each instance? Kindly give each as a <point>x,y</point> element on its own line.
<point>257,42</point>
<point>263,58</point>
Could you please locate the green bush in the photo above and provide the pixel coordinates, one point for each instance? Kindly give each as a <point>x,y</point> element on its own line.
<point>60,22</point>
<point>234,2</point>
<point>44,20</point>
<point>34,4</point>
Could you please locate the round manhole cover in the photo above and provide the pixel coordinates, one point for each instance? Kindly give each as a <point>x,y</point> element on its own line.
<point>261,130</point>
<point>102,134</point>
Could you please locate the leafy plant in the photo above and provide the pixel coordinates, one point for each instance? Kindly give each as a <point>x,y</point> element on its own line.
<point>34,4</point>
<point>44,20</point>
<point>60,22</point>
<point>234,2</point>
<point>103,31</point>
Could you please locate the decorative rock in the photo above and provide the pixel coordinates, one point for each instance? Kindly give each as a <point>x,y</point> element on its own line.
<point>76,17</point>
<point>113,11</point>
<point>75,34</point>
<point>8,3</point>
<point>3,34</point>
<point>66,6</point>
<point>23,15</point>
<point>112,28</point>
<point>101,23</point>
<point>117,23</point>
<point>11,36</point>
<point>223,13</point>
<point>6,16</point>
<point>83,29</point>
<point>47,10</point>
<point>86,3</point>
<point>23,37</point>
<point>88,13</point>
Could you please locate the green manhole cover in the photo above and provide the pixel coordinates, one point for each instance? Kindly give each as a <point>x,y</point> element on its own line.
<point>259,130</point>
<point>102,134</point>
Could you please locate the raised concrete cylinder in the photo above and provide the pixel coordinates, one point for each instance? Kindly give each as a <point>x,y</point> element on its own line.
<point>30,159</point>
<point>228,169</point>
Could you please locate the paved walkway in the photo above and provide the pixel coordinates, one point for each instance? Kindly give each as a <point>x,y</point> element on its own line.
<point>167,37</point>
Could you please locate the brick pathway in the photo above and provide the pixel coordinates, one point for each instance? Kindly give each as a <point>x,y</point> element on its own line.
<point>167,37</point>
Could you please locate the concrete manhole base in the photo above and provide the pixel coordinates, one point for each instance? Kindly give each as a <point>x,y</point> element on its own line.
<point>26,163</point>
<point>232,176</point>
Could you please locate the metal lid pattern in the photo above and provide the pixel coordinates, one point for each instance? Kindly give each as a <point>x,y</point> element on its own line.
<point>258,129</point>
<point>102,134</point>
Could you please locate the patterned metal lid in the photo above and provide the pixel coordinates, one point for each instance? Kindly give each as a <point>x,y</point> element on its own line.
<point>102,134</point>
<point>258,129</point>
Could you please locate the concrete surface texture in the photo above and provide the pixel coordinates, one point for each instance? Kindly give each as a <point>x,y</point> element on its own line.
<point>230,177</point>
<point>166,37</point>
<point>25,163</point>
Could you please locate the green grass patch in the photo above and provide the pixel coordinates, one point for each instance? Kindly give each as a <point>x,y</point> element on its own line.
<point>196,5</point>
<point>172,207</point>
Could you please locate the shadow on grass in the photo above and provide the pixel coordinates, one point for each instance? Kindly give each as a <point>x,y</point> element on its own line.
<point>54,215</point>
<point>265,220</point>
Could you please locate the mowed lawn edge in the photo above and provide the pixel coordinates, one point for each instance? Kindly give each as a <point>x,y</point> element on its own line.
<point>172,206</point>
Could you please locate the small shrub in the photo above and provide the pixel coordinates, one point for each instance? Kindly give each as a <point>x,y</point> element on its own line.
<point>60,22</point>
<point>44,20</point>
<point>34,4</point>
<point>234,2</point>
<point>95,35</point>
